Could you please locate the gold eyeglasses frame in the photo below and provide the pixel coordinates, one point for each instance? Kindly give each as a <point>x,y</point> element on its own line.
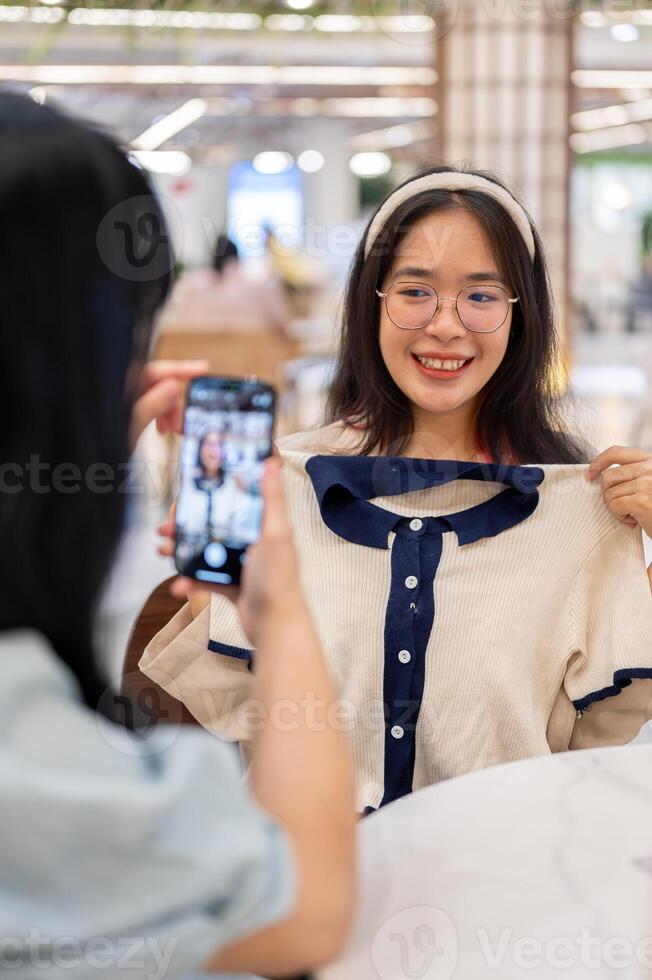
<point>455,299</point>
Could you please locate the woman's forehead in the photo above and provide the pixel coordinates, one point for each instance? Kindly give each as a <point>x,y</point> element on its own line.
<point>445,240</point>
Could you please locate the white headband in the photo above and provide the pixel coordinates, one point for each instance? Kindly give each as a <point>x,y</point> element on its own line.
<point>451,181</point>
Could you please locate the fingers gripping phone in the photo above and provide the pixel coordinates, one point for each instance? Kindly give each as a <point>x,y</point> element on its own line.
<point>228,427</point>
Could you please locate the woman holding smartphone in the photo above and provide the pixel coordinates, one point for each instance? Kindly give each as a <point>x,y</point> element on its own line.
<point>141,854</point>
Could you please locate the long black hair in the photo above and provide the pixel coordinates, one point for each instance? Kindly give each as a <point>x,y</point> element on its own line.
<point>84,264</point>
<point>518,409</point>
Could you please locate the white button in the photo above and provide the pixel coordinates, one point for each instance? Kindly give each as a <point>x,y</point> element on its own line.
<point>404,656</point>
<point>416,524</point>
<point>215,554</point>
<point>411,582</point>
<point>397,732</point>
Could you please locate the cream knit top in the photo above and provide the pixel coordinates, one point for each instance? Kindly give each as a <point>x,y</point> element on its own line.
<point>472,614</point>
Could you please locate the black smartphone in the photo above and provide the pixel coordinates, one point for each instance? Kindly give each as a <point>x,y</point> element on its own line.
<point>227,435</point>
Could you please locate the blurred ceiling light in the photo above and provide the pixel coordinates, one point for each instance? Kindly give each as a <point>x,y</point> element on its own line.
<point>310,161</point>
<point>617,195</point>
<point>170,125</point>
<point>335,75</point>
<point>180,19</point>
<point>393,136</point>
<point>228,21</point>
<point>213,20</point>
<point>609,139</point>
<point>35,15</point>
<point>370,164</point>
<point>39,94</point>
<point>612,115</point>
<point>625,32</point>
<point>272,162</point>
<point>287,22</point>
<point>175,163</point>
<point>605,78</point>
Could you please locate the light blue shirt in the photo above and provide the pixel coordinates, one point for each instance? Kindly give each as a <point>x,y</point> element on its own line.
<point>121,857</point>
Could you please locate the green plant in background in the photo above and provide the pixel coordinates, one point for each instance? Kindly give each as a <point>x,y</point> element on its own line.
<point>646,235</point>
<point>373,190</point>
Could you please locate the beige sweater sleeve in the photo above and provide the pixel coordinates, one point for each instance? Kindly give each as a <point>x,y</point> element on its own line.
<point>214,686</point>
<point>609,679</point>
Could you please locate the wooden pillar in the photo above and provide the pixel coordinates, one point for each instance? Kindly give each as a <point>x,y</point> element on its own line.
<point>504,105</point>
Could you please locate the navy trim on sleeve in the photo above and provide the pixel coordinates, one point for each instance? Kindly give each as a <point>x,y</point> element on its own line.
<point>622,678</point>
<point>240,653</point>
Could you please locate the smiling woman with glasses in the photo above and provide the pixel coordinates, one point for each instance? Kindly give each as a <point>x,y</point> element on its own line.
<point>448,600</point>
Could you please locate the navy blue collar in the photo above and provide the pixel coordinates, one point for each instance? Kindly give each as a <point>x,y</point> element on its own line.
<point>344,485</point>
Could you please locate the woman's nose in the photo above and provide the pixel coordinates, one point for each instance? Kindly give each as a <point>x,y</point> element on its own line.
<point>446,323</point>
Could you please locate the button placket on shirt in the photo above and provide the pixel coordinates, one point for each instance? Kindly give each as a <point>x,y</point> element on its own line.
<point>345,488</point>
<point>401,647</point>
<point>416,553</point>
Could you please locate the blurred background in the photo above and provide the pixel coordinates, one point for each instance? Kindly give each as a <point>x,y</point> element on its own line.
<point>272,129</point>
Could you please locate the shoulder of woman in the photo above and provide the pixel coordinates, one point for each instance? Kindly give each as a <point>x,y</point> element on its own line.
<point>336,438</point>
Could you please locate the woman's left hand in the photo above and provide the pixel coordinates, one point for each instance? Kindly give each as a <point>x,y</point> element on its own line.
<point>627,487</point>
<point>161,395</point>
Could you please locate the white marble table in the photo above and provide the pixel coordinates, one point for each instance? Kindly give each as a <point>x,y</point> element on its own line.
<point>540,868</point>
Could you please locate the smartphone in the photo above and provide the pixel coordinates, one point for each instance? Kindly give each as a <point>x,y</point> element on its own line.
<point>227,435</point>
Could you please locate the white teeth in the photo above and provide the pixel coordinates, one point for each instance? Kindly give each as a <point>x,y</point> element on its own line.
<point>438,365</point>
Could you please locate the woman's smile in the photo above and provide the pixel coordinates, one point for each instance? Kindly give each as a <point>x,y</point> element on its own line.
<point>442,368</point>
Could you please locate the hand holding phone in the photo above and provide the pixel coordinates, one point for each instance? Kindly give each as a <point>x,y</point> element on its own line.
<point>228,425</point>
<point>270,587</point>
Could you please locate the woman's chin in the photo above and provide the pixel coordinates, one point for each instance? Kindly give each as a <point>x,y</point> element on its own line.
<point>439,404</point>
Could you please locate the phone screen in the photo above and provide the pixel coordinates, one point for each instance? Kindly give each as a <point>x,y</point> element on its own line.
<point>228,427</point>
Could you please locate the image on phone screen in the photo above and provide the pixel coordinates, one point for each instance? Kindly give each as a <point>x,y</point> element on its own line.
<point>228,426</point>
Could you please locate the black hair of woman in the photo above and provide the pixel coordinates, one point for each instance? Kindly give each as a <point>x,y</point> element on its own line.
<point>225,251</point>
<point>86,263</point>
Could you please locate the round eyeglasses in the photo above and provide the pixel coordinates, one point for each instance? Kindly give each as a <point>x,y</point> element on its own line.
<point>412,305</point>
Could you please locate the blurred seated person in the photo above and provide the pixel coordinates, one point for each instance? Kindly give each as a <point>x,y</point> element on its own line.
<point>302,276</point>
<point>231,296</point>
<point>142,851</point>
